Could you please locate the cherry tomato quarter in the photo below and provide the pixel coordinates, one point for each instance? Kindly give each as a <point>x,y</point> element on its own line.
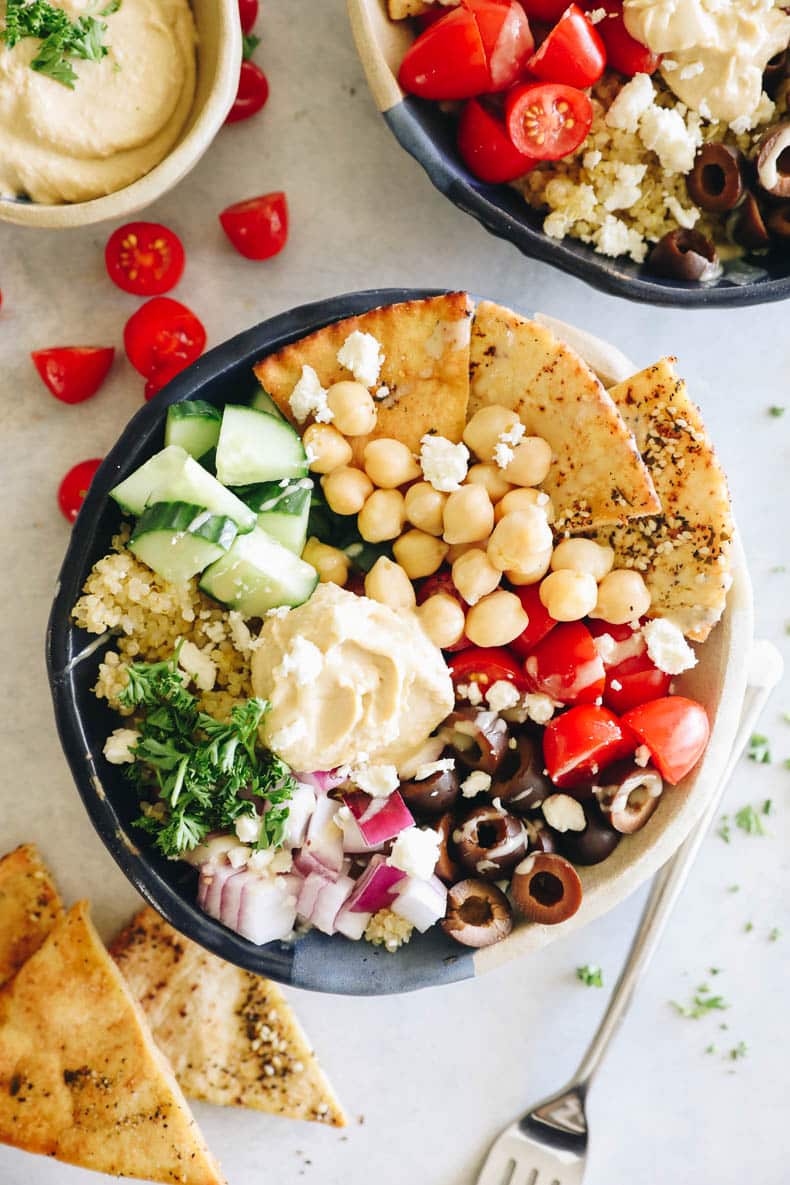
<point>144,258</point>
<point>625,642</point>
<point>447,60</point>
<point>675,730</point>
<point>258,227</point>
<point>623,52</point>
<point>507,39</point>
<point>163,335</point>
<point>540,622</point>
<point>74,487</point>
<point>581,742</point>
<point>486,665</point>
<point>252,93</point>
<point>573,53</point>
<point>73,373</point>
<point>633,682</point>
<point>486,148</point>
<point>566,665</point>
<point>248,14</point>
<point>547,121</point>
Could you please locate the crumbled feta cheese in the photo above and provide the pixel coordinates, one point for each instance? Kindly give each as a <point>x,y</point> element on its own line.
<point>361,354</point>
<point>667,647</point>
<point>238,856</point>
<point>539,707</point>
<point>616,685</point>
<point>288,734</point>
<point>415,852</point>
<point>478,782</point>
<point>577,205</point>
<point>626,190</point>
<point>506,443</point>
<point>564,813</point>
<point>379,781</point>
<point>642,756</point>
<point>308,398</point>
<point>613,237</point>
<point>662,130</point>
<point>683,217</point>
<point>443,463</point>
<point>195,663</point>
<point>596,15</point>
<point>502,695</point>
<point>471,692</point>
<point>119,744</point>
<point>502,455</point>
<point>278,611</point>
<point>303,660</point>
<point>248,828</point>
<point>630,103</point>
<point>240,635</point>
<point>433,767</point>
<point>606,647</point>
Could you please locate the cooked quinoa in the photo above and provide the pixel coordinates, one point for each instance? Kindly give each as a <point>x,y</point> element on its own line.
<point>386,929</point>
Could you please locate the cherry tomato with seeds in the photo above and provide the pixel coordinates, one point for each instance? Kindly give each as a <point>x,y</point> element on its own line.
<point>486,148</point>
<point>547,121</point>
<point>73,373</point>
<point>258,227</point>
<point>74,487</point>
<point>447,60</point>
<point>581,742</point>
<point>623,52</point>
<point>675,730</point>
<point>540,622</point>
<point>144,258</point>
<point>163,334</point>
<point>248,14</point>
<point>633,682</point>
<point>486,665</point>
<point>507,39</point>
<point>252,93</point>
<point>566,665</point>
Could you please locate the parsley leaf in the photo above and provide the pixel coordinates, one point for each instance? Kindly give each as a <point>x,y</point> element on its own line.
<point>776,411</point>
<point>702,1002</point>
<point>590,975</point>
<point>749,820</point>
<point>738,1051</point>
<point>249,44</point>
<point>61,39</point>
<point>759,749</point>
<point>723,830</point>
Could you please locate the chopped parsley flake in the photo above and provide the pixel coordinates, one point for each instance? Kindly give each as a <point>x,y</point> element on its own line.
<point>590,975</point>
<point>738,1051</point>
<point>759,749</point>
<point>748,927</point>
<point>61,38</point>
<point>775,934</point>
<point>776,411</point>
<point>723,830</point>
<point>249,43</point>
<point>733,888</point>
<point>702,1003</point>
<point>749,820</point>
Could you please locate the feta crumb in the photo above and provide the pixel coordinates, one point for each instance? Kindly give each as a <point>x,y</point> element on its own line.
<point>683,217</point>
<point>471,692</point>
<point>248,828</point>
<point>667,647</point>
<point>240,635</point>
<point>596,15</point>
<point>626,190</point>
<point>539,707</point>
<point>379,781</point>
<point>361,354</point>
<point>642,756</point>
<point>478,782</point>
<point>195,663</point>
<point>415,852</point>
<point>502,695</point>
<point>308,398</point>
<point>238,856</point>
<point>433,767</point>
<point>119,744</point>
<point>564,813</point>
<point>278,611</point>
<point>614,238</point>
<point>303,660</point>
<point>443,463</point>
<point>616,685</point>
<point>592,159</point>
<point>630,103</point>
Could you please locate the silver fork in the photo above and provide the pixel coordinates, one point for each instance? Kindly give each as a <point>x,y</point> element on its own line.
<point>548,1145</point>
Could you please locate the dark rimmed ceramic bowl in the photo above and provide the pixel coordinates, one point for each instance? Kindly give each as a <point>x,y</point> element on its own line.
<point>429,136</point>
<point>316,961</point>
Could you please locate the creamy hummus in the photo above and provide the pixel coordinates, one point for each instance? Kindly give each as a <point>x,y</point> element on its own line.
<point>717,50</point>
<point>122,117</point>
<point>349,680</point>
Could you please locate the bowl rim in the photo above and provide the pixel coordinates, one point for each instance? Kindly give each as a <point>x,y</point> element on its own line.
<point>399,111</point>
<point>173,167</point>
<point>277,960</point>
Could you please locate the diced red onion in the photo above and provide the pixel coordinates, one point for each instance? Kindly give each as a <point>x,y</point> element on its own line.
<point>375,888</point>
<point>352,925</point>
<point>321,780</point>
<point>420,902</point>
<point>354,841</point>
<point>379,819</point>
<point>305,863</point>
<point>324,840</point>
<point>211,885</point>
<point>267,909</point>
<point>320,900</point>
<point>300,809</point>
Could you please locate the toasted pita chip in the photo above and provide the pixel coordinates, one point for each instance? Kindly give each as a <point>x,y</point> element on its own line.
<point>80,1077</point>
<point>231,1036</point>
<point>400,10</point>
<point>29,907</point>
<point>425,344</point>
<point>597,475</point>
<point>685,552</point>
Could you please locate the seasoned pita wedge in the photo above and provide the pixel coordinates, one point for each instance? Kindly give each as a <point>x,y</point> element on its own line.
<point>80,1077</point>
<point>425,344</point>
<point>29,907</point>
<point>597,475</point>
<point>685,552</point>
<point>231,1036</point>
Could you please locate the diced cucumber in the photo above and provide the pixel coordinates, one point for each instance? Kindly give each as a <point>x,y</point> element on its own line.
<point>254,446</point>
<point>194,424</point>
<point>179,539</point>
<point>283,508</point>
<point>262,401</point>
<point>174,476</point>
<point>257,574</point>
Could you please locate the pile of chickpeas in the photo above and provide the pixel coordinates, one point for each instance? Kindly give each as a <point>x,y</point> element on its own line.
<point>496,525</point>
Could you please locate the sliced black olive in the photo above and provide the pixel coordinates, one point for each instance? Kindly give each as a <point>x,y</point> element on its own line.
<point>775,72</point>
<point>716,180</point>
<point>594,844</point>
<point>546,888</point>
<point>773,160</point>
<point>478,739</point>
<point>540,836</point>
<point>432,795</point>
<point>779,221</point>
<point>747,226</point>
<point>684,255</point>
<point>629,796</point>
<point>489,842</point>
<point>447,869</point>
<point>520,782</point>
<point>477,914</point>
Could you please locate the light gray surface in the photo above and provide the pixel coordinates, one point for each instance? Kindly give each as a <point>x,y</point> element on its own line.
<point>436,1074</point>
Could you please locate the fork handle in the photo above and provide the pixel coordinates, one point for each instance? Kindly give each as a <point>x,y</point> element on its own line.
<point>766,670</point>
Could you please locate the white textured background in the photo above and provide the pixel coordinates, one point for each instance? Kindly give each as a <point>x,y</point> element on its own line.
<point>436,1074</point>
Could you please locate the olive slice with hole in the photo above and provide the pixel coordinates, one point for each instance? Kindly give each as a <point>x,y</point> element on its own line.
<point>546,888</point>
<point>432,795</point>
<point>747,226</point>
<point>778,221</point>
<point>520,782</point>
<point>447,869</point>
<point>776,72</point>
<point>630,796</point>
<point>489,842</point>
<point>773,160</point>
<point>716,178</point>
<point>478,739</point>
<point>478,914</point>
<point>540,836</point>
<point>592,845</point>
<point>684,255</point>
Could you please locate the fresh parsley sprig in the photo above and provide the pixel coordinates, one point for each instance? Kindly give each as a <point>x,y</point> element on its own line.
<point>61,38</point>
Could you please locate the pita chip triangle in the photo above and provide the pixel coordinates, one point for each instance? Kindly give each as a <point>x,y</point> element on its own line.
<point>29,907</point>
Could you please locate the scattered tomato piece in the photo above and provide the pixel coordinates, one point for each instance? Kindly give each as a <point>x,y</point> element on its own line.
<point>541,622</point>
<point>623,52</point>
<point>248,14</point>
<point>258,227</point>
<point>507,39</point>
<point>163,335</point>
<point>73,373</point>
<point>547,120</point>
<point>566,665</point>
<point>581,742</point>
<point>573,53</point>
<point>485,665</point>
<point>486,148</point>
<point>159,379</point>
<point>633,682</point>
<point>675,730</point>
<point>447,60</point>
<point>74,487</point>
<point>144,258</point>
<point>252,93</point>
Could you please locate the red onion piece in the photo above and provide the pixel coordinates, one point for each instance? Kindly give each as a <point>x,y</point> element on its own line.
<point>375,889</point>
<point>324,838</point>
<point>379,819</point>
<point>211,884</point>
<point>320,900</point>
<point>321,780</point>
<point>352,925</point>
<point>300,809</point>
<point>267,909</point>
<point>422,903</point>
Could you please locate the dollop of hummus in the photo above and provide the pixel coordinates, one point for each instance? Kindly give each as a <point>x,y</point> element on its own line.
<point>717,50</point>
<point>349,680</point>
<point>121,119</point>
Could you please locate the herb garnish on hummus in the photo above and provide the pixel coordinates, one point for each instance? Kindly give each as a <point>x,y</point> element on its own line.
<point>61,38</point>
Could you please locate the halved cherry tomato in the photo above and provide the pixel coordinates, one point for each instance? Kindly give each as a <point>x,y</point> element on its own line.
<point>581,742</point>
<point>248,14</point>
<point>507,39</point>
<point>258,227</point>
<point>566,665</point>
<point>675,730</point>
<point>634,682</point>
<point>74,487</point>
<point>448,60</point>
<point>252,93</point>
<point>544,10</point>
<point>547,121</point>
<point>573,53</point>
<point>73,373</point>
<point>160,378</point>
<point>144,258</point>
<point>485,665</point>
<point>623,52</point>
<point>163,335</point>
<point>540,622</point>
<point>626,642</point>
<point>486,148</point>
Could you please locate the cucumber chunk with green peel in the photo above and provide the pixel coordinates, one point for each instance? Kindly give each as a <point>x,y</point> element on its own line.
<point>254,446</point>
<point>179,539</point>
<point>174,476</point>
<point>283,508</point>
<point>194,425</point>
<point>262,401</point>
<point>257,574</point>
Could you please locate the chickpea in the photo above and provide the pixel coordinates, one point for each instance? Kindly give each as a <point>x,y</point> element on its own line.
<point>382,517</point>
<point>387,583</point>
<point>583,555</point>
<point>346,489</point>
<point>496,619</point>
<point>623,597</point>
<point>352,407</point>
<point>389,463</point>
<point>419,553</point>
<point>443,620</point>
<point>425,507</point>
<point>330,563</point>
<point>468,515</point>
<point>475,576</point>
<point>517,538</point>
<point>328,449</point>
<point>518,499</point>
<point>491,478</point>
<point>483,431</point>
<point>533,571</point>
<point>531,462</point>
<point>569,595</point>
